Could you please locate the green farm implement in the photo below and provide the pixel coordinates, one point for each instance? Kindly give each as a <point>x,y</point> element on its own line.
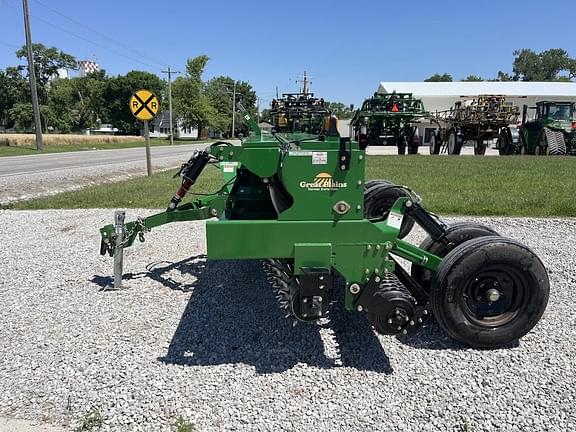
<point>300,112</point>
<point>551,132</point>
<point>388,119</point>
<point>302,205</point>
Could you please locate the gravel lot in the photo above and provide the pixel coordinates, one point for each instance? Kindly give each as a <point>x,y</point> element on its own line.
<point>207,342</point>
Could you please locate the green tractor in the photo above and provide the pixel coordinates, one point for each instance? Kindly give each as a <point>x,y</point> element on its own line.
<point>552,132</point>
<point>301,204</point>
<point>387,119</point>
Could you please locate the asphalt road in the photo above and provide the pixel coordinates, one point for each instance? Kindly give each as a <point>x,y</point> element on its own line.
<point>26,177</point>
<point>39,163</point>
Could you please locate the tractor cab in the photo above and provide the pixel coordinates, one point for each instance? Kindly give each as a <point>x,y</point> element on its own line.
<point>552,131</point>
<point>558,115</point>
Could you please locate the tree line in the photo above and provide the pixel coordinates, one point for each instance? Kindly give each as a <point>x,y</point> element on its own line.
<point>551,65</point>
<point>79,103</point>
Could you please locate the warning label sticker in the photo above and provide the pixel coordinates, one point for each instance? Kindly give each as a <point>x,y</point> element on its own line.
<point>394,220</point>
<point>319,158</point>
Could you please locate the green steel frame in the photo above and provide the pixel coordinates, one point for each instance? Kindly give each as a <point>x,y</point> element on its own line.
<point>311,231</point>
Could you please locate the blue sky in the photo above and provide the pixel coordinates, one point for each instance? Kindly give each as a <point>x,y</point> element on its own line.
<point>346,47</point>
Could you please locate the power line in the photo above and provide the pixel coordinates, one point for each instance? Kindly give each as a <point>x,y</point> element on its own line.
<point>9,45</point>
<point>121,44</point>
<point>91,41</point>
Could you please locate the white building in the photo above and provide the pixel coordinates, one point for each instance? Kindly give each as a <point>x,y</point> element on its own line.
<point>160,127</point>
<point>441,96</point>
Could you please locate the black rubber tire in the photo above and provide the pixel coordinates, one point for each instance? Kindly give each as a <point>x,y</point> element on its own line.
<point>505,146</point>
<point>522,275</point>
<point>413,145</point>
<point>480,148</point>
<point>457,147</point>
<point>370,183</point>
<point>456,234</point>
<point>401,147</point>
<point>379,199</point>
<point>435,144</point>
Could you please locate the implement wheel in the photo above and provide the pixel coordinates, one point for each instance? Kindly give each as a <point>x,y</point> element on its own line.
<point>401,144</point>
<point>371,183</point>
<point>435,144</point>
<point>480,147</point>
<point>456,234</point>
<point>489,292</point>
<point>505,145</point>
<point>379,199</point>
<point>454,142</point>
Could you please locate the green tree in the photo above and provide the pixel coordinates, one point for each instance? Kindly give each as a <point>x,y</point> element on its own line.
<point>544,66</point>
<point>341,110</point>
<point>218,90</point>
<point>440,78</point>
<point>47,61</point>
<point>23,118</point>
<point>78,102</point>
<point>473,78</point>
<point>14,88</point>
<point>265,116</point>
<point>190,101</point>
<point>116,92</point>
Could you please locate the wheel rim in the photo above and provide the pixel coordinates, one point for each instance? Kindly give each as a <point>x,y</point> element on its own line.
<point>495,296</point>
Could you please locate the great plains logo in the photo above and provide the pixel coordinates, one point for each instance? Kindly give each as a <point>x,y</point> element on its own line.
<point>322,182</point>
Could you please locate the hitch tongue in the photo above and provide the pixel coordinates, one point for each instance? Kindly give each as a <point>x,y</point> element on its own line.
<point>119,234</point>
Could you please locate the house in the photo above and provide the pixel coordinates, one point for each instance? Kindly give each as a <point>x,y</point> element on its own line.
<point>160,127</point>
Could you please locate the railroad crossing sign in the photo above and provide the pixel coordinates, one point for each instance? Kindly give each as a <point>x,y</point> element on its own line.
<point>144,105</point>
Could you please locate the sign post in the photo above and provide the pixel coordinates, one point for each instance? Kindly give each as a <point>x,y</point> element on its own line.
<point>145,105</point>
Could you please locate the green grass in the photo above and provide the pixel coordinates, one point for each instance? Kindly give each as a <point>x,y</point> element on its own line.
<point>466,185</point>
<point>59,148</point>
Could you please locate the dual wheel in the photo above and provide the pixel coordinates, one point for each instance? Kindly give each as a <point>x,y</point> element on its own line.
<point>488,291</point>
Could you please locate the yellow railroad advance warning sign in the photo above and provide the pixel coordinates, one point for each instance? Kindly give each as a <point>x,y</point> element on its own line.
<point>144,105</point>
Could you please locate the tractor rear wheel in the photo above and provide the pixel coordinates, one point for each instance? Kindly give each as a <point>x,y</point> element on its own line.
<point>456,234</point>
<point>489,292</point>
<point>379,199</point>
<point>479,147</point>
<point>454,142</point>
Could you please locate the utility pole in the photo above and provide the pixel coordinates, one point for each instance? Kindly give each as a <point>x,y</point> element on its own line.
<point>170,72</point>
<point>32,77</point>
<point>234,110</point>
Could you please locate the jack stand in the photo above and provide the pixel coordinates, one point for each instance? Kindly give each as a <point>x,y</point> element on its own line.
<point>120,231</point>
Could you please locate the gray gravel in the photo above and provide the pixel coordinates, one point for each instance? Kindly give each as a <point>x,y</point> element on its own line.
<point>207,342</point>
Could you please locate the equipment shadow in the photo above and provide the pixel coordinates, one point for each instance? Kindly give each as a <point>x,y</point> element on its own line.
<point>233,317</point>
